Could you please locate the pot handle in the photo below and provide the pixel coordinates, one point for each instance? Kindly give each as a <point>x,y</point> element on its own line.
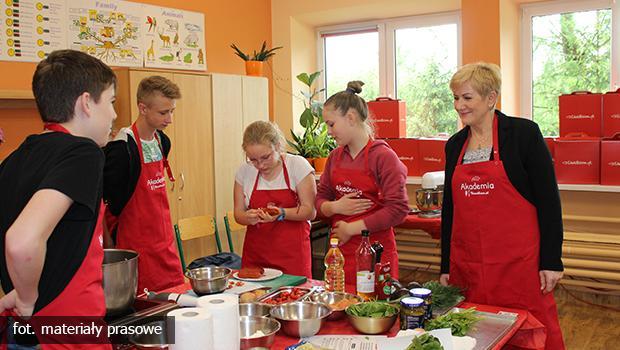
<point>582,92</point>
<point>385,98</point>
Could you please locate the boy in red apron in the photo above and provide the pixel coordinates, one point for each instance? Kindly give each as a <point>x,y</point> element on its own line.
<point>363,185</point>
<point>135,186</point>
<point>274,196</point>
<point>51,186</point>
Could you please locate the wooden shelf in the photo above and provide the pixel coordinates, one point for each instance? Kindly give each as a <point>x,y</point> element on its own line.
<point>13,99</point>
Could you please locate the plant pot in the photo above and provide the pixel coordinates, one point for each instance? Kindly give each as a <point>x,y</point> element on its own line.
<point>319,164</point>
<point>254,68</point>
<point>311,161</point>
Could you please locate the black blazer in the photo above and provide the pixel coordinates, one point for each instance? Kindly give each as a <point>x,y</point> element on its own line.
<point>122,170</point>
<point>529,167</point>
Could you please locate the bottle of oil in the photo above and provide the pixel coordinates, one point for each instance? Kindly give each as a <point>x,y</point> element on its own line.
<point>365,267</point>
<point>334,268</point>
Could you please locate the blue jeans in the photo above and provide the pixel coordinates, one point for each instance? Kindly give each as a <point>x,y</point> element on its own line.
<point>11,340</point>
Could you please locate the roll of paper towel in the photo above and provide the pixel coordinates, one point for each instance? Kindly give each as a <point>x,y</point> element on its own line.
<point>193,329</point>
<point>225,311</point>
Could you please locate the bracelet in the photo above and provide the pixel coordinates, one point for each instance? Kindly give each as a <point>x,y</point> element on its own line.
<point>282,215</point>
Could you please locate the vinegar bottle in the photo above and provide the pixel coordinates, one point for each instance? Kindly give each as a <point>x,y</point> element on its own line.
<point>365,267</point>
<point>334,268</point>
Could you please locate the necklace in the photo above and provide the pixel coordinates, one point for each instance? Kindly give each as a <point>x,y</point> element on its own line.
<point>481,140</point>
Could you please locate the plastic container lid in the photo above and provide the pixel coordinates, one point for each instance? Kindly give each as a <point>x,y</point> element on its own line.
<point>412,302</point>
<point>333,241</point>
<point>420,292</point>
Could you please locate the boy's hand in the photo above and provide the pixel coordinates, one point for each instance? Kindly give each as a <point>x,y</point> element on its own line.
<point>11,301</point>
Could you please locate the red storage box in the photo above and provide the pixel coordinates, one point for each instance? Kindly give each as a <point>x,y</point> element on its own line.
<point>550,145</point>
<point>610,161</point>
<point>611,113</point>
<point>408,153</point>
<point>432,154</point>
<point>389,117</point>
<point>580,112</point>
<point>578,159</point>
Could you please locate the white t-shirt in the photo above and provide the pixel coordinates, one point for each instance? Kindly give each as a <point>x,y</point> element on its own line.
<point>150,149</point>
<point>297,166</point>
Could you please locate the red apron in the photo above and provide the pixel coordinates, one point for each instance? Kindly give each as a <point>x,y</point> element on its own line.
<point>284,245</point>
<point>495,243</point>
<point>362,182</point>
<point>145,226</point>
<point>83,296</point>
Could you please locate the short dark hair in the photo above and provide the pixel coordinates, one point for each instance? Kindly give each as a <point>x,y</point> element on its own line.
<point>155,83</point>
<point>62,77</point>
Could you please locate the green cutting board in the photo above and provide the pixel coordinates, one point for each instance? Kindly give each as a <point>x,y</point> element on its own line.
<point>284,280</point>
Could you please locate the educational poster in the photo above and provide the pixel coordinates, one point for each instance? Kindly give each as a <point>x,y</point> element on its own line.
<point>173,39</point>
<point>31,29</point>
<point>106,29</point>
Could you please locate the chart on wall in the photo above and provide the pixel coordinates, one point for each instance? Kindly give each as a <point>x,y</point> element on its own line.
<point>31,29</point>
<point>173,38</point>
<point>108,30</point>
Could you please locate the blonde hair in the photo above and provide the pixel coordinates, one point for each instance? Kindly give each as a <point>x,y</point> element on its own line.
<point>149,85</point>
<point>348,99</point>
<point>484,78</point>
<point>263,133</point>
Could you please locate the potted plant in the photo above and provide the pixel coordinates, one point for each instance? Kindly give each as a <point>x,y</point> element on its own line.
<point>254,63</point>
<point>315,143</point>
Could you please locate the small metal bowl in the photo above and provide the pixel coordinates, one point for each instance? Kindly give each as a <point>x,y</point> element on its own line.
<point>428,200</point>
<point>209,279</point>
<point>252,324</point>
<point>330,298</point>
<point>301,319</point>
<point>254,309</point>
<point>372,325</point>
<point>149,341</point>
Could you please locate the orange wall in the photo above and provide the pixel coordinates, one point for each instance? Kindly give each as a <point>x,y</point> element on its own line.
<point>225,23</point>
<point>480,25</point>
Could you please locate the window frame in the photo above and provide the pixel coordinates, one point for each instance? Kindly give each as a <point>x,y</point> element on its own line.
<point>528,11</point>
<point>386,29</point>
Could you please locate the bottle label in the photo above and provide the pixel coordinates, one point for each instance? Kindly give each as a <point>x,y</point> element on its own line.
<point>365,282</point>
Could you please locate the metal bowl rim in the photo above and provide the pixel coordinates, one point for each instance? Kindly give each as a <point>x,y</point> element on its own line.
<point>188,273</point>
<point>123,261</point>
<point>279,326</point>
<point>329,310</point>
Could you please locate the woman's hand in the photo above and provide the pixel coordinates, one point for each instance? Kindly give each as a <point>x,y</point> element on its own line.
<point>349,205</point>
<point>444,279</point>
<point>252,216</point>
<point>265,216</point>
<point>549,279</point>
<point>343,231</point>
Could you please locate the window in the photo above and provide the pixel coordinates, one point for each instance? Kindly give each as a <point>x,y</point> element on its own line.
<point>410,59</point>
<point>567,46</point>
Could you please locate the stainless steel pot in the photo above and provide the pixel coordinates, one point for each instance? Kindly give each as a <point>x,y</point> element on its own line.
<point>120,279</point>
<point>428,200</point>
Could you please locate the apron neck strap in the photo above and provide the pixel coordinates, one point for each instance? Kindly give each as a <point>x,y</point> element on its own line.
<point>56,127</point>
<point>495,143</point>
<point>366,150</point>
<point>134,128</point>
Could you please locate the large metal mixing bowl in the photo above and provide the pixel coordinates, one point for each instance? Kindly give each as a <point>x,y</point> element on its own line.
<point>208,279</point>
<point>301,319</point>
<point>428,200</point>
<point>120,279</point>
<point>250,325</point>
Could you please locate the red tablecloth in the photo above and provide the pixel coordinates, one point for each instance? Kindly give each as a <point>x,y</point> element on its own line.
<point>430,226</point>
<point>528,332</point>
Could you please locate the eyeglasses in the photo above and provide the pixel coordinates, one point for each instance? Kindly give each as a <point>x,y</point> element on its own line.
<point>261,160</point>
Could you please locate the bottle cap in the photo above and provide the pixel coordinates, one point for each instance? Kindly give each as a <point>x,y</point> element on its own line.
<point>365,233</point>
<point>333,241</point>
<point>420,292</point>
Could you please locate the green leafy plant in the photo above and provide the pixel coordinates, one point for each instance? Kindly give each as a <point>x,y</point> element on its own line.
<point>261,55</point>
<point>315,141</point>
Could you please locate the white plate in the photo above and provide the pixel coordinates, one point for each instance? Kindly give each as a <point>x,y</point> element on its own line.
<point>268,275</point>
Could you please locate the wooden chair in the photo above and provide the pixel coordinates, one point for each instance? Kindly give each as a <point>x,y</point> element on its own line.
<point>195,227</point>
<point>231,225</point>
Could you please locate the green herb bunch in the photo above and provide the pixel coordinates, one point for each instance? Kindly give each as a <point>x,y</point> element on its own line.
<point>459,322</point>
<point>261,55</point>
<point>425,342</point>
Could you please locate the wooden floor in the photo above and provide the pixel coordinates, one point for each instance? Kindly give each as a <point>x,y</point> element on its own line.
<point>584,327</point>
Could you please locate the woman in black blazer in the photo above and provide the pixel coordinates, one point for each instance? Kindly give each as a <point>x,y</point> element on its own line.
<point>501,219</point>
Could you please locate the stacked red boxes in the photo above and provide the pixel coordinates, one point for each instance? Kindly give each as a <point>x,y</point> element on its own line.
<point>610,161</point>
<point>389,117</point>
<point>577,159</point>
<point>432,154</point>
<point>550,141</point>
<point>580,112</point>
<point>407,151</point>
<point>611,113</point>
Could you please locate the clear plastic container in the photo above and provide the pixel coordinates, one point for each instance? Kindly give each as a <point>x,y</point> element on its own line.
<point>334,268</point>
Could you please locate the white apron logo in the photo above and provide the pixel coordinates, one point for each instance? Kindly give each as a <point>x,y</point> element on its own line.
<point>577,162</point>
<point>156,183</point>
<point>474,188</point>
<point>346,188</point>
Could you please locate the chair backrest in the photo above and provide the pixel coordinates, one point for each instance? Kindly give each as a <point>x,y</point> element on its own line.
<point>196,227</point>
<point>231,225</point>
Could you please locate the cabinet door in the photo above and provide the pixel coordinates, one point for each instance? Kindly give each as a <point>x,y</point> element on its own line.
<point>255,99</point>
<point>134,78</point>
<point>227,138</point>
